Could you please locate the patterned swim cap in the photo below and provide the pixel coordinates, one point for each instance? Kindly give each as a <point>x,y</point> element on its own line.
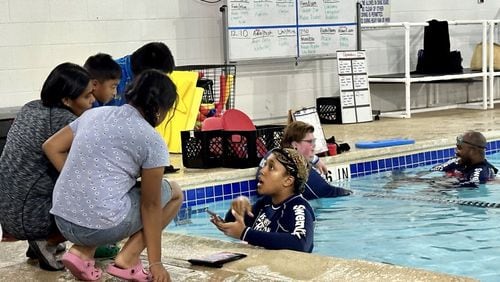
<point>295,164</point>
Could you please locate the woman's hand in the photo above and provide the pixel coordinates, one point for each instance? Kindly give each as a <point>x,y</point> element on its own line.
<point>232,229</point>
<point>242,206</point>
<point>159,273</point>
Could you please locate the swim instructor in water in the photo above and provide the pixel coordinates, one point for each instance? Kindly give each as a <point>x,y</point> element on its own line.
<point>470,166</point>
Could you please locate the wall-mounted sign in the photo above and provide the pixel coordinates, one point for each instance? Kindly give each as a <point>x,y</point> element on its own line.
<point>355,98</point>
<point>375,11</point>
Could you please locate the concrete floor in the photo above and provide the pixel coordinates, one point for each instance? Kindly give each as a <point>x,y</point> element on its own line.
<point>433,129</point>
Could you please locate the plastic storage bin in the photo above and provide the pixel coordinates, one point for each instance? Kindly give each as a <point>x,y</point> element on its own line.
<point>202,149</point>
<point>232,149</point>
<point>243,149</point>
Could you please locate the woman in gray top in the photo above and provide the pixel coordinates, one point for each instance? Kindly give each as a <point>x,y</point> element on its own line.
<point>27,178</point>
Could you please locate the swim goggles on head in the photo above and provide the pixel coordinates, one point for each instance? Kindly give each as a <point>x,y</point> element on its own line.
<point>460,141</point>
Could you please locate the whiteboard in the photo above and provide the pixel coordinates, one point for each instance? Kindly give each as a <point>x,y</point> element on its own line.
<point>266,29</point>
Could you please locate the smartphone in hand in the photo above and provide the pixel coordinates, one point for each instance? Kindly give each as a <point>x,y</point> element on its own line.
<point>214,215</point>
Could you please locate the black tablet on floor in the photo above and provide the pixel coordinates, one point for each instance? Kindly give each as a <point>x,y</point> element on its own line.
<point>217,259</point>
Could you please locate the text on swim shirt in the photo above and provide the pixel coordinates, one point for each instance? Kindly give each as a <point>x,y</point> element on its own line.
<point>262,223</point>
<point>475,175</point>
<point>300,219</point>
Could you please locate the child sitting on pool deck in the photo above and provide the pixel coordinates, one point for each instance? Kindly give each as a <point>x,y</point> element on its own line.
<point>282,218</point>
<point>96,199</point>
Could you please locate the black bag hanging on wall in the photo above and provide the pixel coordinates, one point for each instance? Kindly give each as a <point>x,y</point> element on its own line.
<point>436,57</point>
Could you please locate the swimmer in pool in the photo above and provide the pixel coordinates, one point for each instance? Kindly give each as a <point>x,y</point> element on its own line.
<point>469,168</point>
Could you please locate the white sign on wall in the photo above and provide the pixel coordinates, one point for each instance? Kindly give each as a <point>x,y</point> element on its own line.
<point>375,11</point>
<point>336,173</point>
<point>355,101</point>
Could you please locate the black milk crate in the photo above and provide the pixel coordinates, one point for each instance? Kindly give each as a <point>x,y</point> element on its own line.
<point>244,149</point>
<point>329,110</point>
<point>240,149</point>
<point>202,149</point>
<point>270,136</point>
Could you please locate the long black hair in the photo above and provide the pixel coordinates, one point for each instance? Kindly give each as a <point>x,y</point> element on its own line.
<point>151,92</point>
<point>67,80</point>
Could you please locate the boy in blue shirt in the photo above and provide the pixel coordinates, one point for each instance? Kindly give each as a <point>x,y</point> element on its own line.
<point>105,75</point>
<point>153,55</point>
<point>282,218</point>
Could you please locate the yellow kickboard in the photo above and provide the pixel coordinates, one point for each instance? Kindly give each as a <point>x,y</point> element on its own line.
<point>184,116</point>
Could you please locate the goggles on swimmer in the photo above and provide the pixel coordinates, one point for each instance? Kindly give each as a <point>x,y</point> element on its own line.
<point>460,141</point>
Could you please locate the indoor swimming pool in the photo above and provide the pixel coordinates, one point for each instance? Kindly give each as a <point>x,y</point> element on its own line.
<point>402,217</point>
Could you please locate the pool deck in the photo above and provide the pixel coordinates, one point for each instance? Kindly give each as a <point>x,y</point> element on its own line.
<point>431,130</point>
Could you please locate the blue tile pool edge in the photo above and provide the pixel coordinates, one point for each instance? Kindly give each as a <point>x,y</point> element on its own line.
<point>219,192</point>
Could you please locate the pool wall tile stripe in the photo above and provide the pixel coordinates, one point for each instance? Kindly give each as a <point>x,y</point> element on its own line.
<point>215,193</point>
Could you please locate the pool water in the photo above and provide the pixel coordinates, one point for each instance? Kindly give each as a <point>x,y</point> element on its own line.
<point>401,218</point>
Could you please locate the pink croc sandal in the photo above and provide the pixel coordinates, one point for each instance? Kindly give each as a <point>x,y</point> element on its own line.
<point>135,273</point>
<point>82,269</point>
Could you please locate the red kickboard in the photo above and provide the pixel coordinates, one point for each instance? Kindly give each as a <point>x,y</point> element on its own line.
<point>212,123</point>
<point>237,120</point>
